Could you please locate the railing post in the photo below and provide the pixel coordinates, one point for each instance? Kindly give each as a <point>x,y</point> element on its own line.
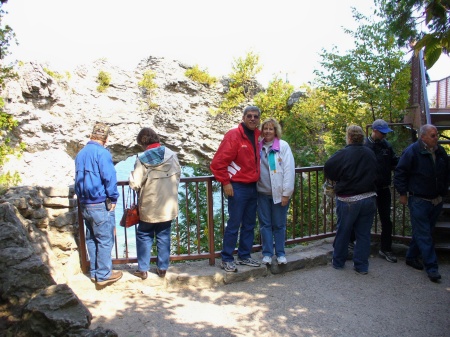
<point>211,238</point>
<point>81,232</point>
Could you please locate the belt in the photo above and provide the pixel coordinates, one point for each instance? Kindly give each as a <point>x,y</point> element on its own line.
<point>423,196</point>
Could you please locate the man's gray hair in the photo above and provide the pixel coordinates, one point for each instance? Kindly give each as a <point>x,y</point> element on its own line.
<point>425,128</point>
<point>252,108</point>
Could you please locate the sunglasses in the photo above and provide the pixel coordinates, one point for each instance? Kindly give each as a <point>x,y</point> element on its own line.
<point>250,116</point>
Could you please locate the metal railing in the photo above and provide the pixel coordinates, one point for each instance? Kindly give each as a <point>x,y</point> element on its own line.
<point>197,232</point>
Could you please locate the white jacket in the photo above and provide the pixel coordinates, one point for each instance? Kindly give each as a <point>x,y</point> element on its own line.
<point>282,177</point>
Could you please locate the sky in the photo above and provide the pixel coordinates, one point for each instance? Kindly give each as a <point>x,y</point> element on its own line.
<point>287,35</point>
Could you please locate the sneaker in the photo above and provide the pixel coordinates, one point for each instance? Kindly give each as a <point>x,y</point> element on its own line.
<point>434,276</point>
<point>248,262</point>
<point>281,260</point>
<point>415,264</point>
<point>142,274</point>
<point>267,260</point>
<point>115,276</point>
<point>228,266</point>
<point>389,256</point>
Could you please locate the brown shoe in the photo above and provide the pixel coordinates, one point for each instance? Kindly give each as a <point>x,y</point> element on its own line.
<point>142,274</point>
<point>115,276</point>
<point>161,272</point>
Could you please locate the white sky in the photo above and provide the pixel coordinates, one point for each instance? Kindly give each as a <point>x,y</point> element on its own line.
<point>288,35</point>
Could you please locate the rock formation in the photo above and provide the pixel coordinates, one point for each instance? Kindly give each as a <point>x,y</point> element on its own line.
<point>56,115</point>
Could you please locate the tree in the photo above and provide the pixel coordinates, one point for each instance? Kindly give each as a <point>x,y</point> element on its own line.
<point>243,82</point>
<point>405,20</point>
<point>273,101</point>
<point>7,122</point>
<point>373,77</point>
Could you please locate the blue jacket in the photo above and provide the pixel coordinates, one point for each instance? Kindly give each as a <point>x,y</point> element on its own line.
<point>417,173</point>
<point>95,175</point>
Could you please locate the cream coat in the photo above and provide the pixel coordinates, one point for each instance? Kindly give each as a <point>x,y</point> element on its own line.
<point>157,188</point>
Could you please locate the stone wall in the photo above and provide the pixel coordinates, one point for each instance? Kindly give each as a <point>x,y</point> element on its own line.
<point>49,215</point>
<point>38,250</point>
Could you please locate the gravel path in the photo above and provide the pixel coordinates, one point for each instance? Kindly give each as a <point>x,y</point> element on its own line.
<point>392,300</point>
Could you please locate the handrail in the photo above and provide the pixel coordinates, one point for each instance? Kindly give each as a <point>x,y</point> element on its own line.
<point>424,87</point>
<point>311,217</point>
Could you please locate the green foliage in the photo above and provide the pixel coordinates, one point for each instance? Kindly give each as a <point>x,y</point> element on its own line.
<point>405,20</point>
<point>57,76</point>
<point>192,227</point>
<point>373,77</point>
<point>242,82</point>
<point>273,101</point>
<point>200,76</point>
<point>103,80</point>
<point>7,122</point>
<point>149,86</point>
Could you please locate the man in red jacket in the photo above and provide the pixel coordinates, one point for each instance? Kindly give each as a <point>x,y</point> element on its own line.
<point>236,166</point>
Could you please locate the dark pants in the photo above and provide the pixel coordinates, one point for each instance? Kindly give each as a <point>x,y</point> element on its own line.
<point>384,211</point>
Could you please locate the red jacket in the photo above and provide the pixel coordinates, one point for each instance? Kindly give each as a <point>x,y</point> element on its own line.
<point>235,159</point>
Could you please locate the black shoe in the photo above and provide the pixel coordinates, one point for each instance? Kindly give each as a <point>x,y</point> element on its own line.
<point>161,272</point>
<point>415,264</point>
<point>389,256</point>
<point>360,272</point>
<point>434,276</point>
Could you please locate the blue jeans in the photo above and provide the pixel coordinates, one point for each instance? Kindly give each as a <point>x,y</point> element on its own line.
<point>358,216</point>
<point>423,219</point>
<point>241,214</point>
<point>145,235</point>
<point>99,225</point>
<point>272,223</point>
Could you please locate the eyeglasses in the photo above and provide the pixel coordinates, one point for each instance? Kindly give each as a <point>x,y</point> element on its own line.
<point>434,135</point>
<point>250,116</point>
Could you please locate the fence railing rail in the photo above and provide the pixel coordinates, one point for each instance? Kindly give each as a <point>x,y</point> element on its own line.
<point>198,230</point>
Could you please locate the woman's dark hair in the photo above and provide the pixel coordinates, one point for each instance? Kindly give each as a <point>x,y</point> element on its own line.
<point>146,137</point>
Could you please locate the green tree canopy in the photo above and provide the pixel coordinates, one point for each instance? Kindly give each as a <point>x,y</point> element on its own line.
<point>420,24</point>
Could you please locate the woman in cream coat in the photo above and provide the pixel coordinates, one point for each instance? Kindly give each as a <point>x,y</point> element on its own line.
<point>155,178</point>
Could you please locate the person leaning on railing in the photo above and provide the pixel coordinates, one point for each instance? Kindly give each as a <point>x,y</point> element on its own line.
<point>155,178</point>
<point>353,169</point>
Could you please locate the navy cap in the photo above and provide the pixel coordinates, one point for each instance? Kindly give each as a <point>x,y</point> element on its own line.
<point>381,126</point>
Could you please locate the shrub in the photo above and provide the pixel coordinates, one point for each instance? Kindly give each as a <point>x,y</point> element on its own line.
<point>103,80</point>
<point>149,85</point>
<point>200,76</point>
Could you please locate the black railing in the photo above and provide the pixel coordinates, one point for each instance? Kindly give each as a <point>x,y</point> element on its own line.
<point>197,232</point>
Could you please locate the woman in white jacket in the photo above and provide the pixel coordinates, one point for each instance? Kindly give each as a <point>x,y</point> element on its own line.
<point>155,178</point>
<point>275,188</point>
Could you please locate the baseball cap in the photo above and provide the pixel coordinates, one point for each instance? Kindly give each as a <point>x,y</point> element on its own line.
<point>100,131</point>
<point>381,126</point>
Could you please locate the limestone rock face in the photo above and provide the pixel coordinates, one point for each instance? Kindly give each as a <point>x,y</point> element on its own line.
<point>56,115</point>
<point>32,303</point>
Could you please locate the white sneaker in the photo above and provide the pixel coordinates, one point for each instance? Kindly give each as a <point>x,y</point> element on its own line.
<point>282,260</point>
<point>267,260</point>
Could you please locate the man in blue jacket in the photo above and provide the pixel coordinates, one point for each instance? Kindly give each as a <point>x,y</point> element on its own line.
<point>423,173</point>
<point>96,189</point>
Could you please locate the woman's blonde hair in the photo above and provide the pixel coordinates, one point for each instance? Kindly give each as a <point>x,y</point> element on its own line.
<point>355,135</point>
<point>275,124</point>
